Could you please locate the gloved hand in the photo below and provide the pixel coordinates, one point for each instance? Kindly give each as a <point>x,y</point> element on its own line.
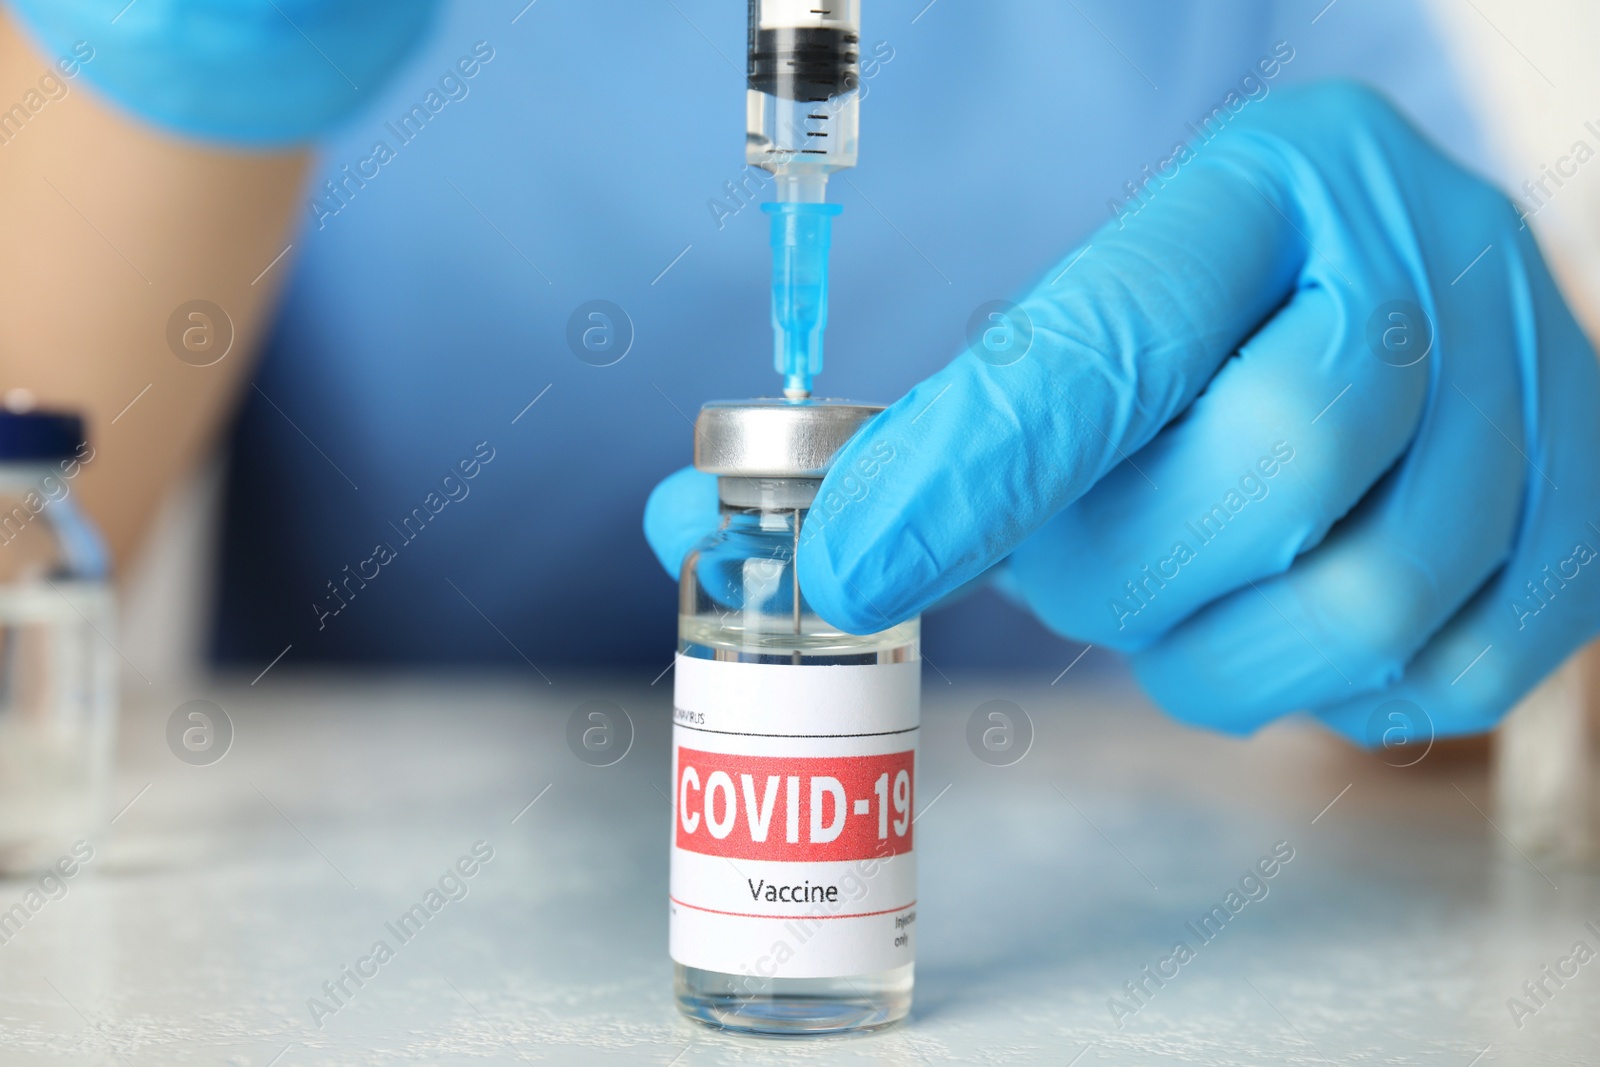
<point>1311,429</point>
<point>257,73</point>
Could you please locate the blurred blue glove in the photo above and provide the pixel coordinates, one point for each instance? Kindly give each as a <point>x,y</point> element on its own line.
<point>257,73</point>
<point>1310,429</point>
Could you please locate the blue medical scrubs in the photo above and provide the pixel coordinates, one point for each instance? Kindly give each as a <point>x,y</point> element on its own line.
<point>439,477</point>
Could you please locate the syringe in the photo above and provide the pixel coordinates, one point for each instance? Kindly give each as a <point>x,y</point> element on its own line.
<point>802,110</point>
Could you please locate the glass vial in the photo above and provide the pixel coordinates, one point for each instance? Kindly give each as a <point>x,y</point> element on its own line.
<point>57,665</point>
<point>793,896</point>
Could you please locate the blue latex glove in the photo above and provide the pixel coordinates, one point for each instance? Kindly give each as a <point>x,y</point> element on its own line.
<point>1204,397</point>
<point>253,73</point>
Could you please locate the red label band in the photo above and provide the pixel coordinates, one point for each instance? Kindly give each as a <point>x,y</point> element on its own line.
<point>794,808</point>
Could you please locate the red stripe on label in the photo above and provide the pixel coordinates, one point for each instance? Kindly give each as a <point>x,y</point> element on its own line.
<point>807,916</point>
<point>794,808</point>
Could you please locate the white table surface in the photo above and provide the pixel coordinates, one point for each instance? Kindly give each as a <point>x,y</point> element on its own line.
<point>229,893</point>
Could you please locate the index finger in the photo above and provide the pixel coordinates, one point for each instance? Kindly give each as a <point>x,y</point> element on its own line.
<point>1121,342</point>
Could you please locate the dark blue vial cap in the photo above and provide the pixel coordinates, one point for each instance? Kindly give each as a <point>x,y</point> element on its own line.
<point>39,436</point>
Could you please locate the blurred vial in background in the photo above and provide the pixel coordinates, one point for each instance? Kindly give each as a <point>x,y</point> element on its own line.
<point>57,663</point>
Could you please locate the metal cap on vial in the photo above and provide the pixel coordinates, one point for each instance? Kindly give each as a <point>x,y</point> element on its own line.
<point>775,438</point>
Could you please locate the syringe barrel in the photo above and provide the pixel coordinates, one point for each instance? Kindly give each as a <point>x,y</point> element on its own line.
<point>804,77</point>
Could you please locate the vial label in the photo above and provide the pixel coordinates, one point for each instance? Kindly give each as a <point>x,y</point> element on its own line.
<point>793,797</point>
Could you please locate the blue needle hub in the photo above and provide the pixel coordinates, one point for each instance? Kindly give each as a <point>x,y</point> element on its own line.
<point>801,234</point>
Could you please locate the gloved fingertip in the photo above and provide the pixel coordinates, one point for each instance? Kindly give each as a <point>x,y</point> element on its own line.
<point>1404,715</point>
<point>1194,704</point>
<point>680,511</point>
<point>832,593</point>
